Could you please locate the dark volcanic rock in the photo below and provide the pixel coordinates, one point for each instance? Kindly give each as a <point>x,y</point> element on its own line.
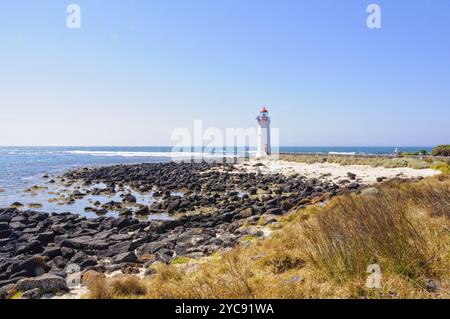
<point>46,284</point>
<point>83,260</point>
<point>153,247</point>
<point>128,198</point>
<point>353,186</point>
<point>32,294</point>
<point>59,262</point>
<point>143,211</point>
<point>31,267</point>
<point>32,247</point>
<point>351,176</point>
<point>51,252</point>
<point>82,244</point>
<point>217,204</point>
<point>67,252</point>
<point>6,233</point>
<point>125,257</point>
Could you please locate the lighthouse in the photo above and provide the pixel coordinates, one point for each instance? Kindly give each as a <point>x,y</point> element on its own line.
<point>263,134</point>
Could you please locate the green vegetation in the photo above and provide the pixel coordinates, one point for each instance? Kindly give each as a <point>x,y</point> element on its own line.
<point>441,150</point>
<point>443,167</point>
<point>421,152</point>
<point>181,260</point>
<point>17,295</point>
<point>249,238</point>
<point>324,253</point>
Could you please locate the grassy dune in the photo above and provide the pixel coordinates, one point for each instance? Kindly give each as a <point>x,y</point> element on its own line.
<point>403,227</point>
<point>412,162</point>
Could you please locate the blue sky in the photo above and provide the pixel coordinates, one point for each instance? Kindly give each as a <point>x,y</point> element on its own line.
<point>138,69</point>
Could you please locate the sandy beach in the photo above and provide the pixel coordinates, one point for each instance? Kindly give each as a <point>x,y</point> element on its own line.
<point>335,172</point>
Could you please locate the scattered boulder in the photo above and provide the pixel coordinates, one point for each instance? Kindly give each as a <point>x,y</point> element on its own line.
<point>127,257</point>
<point>129,199</point>
<point>433,285</point>
<point>142,211</point>
<point>381,179</point>
<point>67,253</point>
<point>16,205</point>
<point>32,294</point>
<point>351,176</point>
<point>51,252</point>
<point>31,267</point>
<point>275,211</point>
<point>32,247</point>
<point>6,291</point>
<point>59,262</point>
<point>352,186</point>
<point>46,284</point>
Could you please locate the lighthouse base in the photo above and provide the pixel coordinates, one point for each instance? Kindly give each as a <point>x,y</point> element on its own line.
<point>263,152</point>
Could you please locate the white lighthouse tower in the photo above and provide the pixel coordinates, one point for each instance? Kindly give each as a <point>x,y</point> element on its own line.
<point>263,134</point>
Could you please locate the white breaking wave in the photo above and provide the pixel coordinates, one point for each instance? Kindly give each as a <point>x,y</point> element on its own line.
<point>152,154</point>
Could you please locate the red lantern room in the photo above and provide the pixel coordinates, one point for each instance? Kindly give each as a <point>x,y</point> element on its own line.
<point>264,115</point>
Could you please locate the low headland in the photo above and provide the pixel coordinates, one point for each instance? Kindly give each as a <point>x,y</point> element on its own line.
<point>297,227</point>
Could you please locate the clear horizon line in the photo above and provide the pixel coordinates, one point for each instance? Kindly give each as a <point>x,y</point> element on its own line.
<point>137,146</point>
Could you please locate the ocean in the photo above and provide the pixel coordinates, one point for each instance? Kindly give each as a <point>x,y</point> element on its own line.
<point>23,167</point>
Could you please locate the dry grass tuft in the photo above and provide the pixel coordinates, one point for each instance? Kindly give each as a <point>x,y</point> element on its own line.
<point>398,228</point>
<point>282,261</point>
<point>98,289</point>
<point>125,287</point>
<point>358,231</point>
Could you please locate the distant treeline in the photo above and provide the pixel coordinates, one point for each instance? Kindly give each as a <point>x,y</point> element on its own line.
<point>440,150</point>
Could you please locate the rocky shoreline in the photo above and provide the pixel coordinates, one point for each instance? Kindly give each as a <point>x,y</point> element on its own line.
<point>213,207</point>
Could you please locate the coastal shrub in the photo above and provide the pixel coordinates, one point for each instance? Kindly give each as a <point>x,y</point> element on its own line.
<point>358,231</point>
<point>434,197</point>
<point>302,214</point>
<point>219,278</point>
<point>384,228</point>
<point>441,150</point>
<point>419,165</point>
<point>421,152</point>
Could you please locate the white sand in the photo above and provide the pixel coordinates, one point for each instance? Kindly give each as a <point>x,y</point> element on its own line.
<point>335,172</point>
<point>76,293</point>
